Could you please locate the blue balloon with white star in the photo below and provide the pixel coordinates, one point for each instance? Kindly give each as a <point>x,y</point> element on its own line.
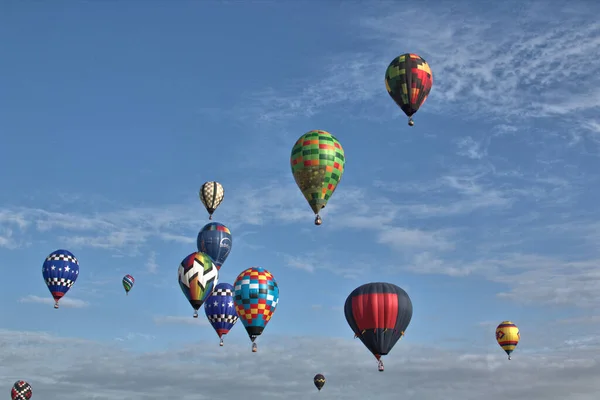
<point>220,309</point>
<point>60,271</point>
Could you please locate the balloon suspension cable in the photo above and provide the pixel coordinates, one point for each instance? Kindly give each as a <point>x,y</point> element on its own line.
<point>318,220</point>
<point>410,121</point>
<point>221,344</point>
<point>254,348</point>
<point>380,365</point>
<point>195,314</point>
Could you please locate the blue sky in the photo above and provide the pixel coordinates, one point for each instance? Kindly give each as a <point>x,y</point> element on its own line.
<point>113,114</point>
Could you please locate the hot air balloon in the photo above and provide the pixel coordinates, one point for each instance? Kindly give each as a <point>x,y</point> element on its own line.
<point>197,276</point>
<point>508,336</point>
<point>211,195</point>
<point>220,309</point>
<point>128,282</point>
<point>378,313</point>
<point>215,240</point>
<point>21,390</point>
<point>319,381</point>
<point>256,297</point>
<point>60,271</point>
<point>317,162</point>
<point>408,80</point>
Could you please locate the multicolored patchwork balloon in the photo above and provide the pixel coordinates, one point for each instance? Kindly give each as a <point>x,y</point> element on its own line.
<point>60,272</point>
<point>215,240</point>
<point>317,163</point>
<point>256,298</point>
<point>408,81</point>
<point>128,282</point>
<point>21,390</point>
<point>211,195</point>
<point>197,276</point>
<point>220,309</point>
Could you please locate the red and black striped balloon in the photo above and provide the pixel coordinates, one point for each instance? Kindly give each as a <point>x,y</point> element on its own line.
<point>378,313</point>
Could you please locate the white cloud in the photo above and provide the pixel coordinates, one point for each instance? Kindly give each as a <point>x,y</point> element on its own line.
<point>135,336</point>
<point>178,320</point>
<point>151,265</point>
<point>509,65</point>
<point>403,239</point>
<point>284,368</point>
<point>67,302</point>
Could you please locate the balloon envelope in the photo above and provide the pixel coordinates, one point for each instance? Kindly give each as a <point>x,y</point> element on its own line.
<point>128,282</point>
<point>215,240</point>
<point>508,336</point>
<point>60,271</point>
<point>256,298</point>
<point>378,313</point>
<point>317,162</point>
<point>21,390</point>
<point>319,381</point>
<point>197,276</point>
<point>408,80</point>
<point>220,309</point>
<point>211,195</point>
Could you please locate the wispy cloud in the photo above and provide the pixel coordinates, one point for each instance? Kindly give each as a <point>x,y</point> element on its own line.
<point>430,373</point>
<point>177,320</point>
<point>151,265</point>
<point>135,336</point>
<point>68,302</point>
<point>498,62</point>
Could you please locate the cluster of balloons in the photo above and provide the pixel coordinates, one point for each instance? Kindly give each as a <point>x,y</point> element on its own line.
<point>378,313</point>
<point>254,295</point>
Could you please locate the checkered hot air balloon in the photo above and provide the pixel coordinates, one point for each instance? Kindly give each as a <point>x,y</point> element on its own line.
<point>128,282</point>
<point>317,163</point>
<point>220,309</point>
<point>408,81</point>
<point>256,297</point>
<point>60,271</point>
<point>378,313</point>
<point>211,195</point>
<point>21,390</point>
<point>197,276</point>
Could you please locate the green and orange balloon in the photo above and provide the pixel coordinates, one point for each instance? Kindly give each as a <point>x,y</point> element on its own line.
<point>317,163</point>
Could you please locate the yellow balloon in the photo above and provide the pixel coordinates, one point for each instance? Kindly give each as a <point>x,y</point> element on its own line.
<point>507,336</point>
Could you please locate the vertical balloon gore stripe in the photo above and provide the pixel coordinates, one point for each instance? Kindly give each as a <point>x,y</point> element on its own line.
<point>369,312</point>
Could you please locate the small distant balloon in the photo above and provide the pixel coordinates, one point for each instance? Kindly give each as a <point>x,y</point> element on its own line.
<point>508,336</point>
<point>60,271</point>
<point>128,282</point>
<point>319,381</point>
<point>211,195</point>
<point>21,390</point>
